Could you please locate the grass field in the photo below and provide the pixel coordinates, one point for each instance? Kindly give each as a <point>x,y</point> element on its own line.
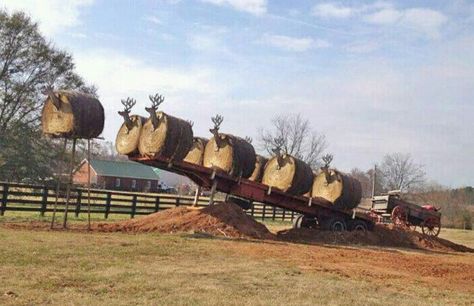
<point>45,267</point>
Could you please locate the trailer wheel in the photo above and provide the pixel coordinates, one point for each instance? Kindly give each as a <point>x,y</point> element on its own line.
<point>358,225</point>
<point>399,216</point>
<point>304,222</point>
<point>335,225</point>
<point>431,227</point>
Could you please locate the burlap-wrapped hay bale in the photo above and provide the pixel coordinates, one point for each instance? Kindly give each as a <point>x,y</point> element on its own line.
<point>340,189</point>
<point>196,154</point>
<point>72,114</point>
<point>288,174</point>
<point>231,154</point>
<point>171,138</point>
<point>127,139</point>
<point>259,167</point>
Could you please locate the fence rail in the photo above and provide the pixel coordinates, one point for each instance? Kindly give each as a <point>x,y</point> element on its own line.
<point>41,199</point>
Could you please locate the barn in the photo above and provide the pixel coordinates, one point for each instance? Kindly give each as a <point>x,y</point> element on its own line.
<point>118,175</point>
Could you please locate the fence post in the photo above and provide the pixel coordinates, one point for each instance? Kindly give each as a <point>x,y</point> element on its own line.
<point>273,213</point>
<point>78,203</point>
<point>283,216</point>
<point>134,205</point>
<point>157,203</point>
<point>107,204</point>
<point>44,201</point>
<point>4,199</point>
<point>177,201</point>
<point>292,215</point>
<point>252,210</point>
<point>263,212</point>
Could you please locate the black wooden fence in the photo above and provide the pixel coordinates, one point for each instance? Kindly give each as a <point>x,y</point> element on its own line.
<point>41,199</point>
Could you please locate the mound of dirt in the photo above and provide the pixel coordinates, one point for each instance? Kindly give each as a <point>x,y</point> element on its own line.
<point>221,219</point>
<point>382,235</point>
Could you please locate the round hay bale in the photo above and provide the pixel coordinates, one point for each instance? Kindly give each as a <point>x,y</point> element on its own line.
<point>293,175</point>
<point>340,189</point>
<point>196,154</point>
<point>172,138</point>
<point>259,167</point>
<point>127,140</point>
<point>233,155</point>
<point>79,115</point>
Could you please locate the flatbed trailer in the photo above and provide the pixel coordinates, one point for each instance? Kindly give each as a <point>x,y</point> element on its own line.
<point>313,211</point>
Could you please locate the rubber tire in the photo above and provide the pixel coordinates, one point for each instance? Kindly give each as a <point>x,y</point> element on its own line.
<point>358,225</point>
<point>304,222</point>
<point>335,225</point>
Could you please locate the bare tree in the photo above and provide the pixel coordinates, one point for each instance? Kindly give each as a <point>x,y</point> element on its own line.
<point>399,172</point>
<point>299,138</point>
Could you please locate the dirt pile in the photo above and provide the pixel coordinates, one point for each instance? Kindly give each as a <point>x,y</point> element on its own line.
<point>382,235</point>
<point>221,219</point>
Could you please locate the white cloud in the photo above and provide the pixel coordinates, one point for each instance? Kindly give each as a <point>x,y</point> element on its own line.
<point>153,19</point>
<point>256,7</point>
<point>384,16</point>
<point>362,47</point>
<point>332,10</point>
<point>118,76</point>
<point>422,20</point>
<point>293,43</point>
<point>53,15</point>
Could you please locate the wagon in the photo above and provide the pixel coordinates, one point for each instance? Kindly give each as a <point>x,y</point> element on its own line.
<point>406,214</point>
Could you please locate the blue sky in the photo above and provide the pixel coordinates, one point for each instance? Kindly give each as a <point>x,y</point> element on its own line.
<point>375,76</point>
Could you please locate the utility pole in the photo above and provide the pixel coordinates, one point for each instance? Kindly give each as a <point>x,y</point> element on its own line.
<point>374,177</point>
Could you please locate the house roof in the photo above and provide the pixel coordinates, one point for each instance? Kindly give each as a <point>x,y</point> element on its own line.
<point>129,169</point>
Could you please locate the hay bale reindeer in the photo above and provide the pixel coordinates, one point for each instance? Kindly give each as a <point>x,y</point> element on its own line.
<point>286,172</point>
<point>128,135</point>
<point>229,153</point>
<point>164,135</point>
<point>342,190</point>
<point>72,114</point>
<point>196,153</point>
<point>260,162</point>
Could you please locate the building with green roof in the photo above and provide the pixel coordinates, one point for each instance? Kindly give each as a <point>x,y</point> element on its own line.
<point>118,175</point>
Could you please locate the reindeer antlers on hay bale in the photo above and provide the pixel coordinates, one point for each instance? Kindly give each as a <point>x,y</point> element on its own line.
<point>229,153</point>
<point>164,135</point>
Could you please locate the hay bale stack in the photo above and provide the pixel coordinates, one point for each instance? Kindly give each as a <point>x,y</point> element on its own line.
<point>72,114</point>
<point>259,167</point>
<point>170,138</point>
<point>196,154</point>
<point>231,154</point>
<point>288,174</point>
<point>340,189</point>
<point>127,138</point>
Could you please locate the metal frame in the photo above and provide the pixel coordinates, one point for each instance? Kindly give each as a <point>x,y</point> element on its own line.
<point>221,181</point>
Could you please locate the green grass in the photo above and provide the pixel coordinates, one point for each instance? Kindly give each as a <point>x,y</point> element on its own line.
<point>119,269</point>
<point>465,237</point>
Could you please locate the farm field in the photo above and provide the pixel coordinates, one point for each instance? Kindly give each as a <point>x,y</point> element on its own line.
<point>40,267</point>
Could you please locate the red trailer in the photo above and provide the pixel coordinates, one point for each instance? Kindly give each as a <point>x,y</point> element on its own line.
<point>406,214</point>
<point>314,211</point>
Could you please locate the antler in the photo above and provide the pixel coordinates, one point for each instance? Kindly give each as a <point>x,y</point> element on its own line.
<point>156,100</point>
<point>327,159</point>
<point>217,120</point>
<point>279,142</point>
<point>248,139</point>
<point>128,104</point>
